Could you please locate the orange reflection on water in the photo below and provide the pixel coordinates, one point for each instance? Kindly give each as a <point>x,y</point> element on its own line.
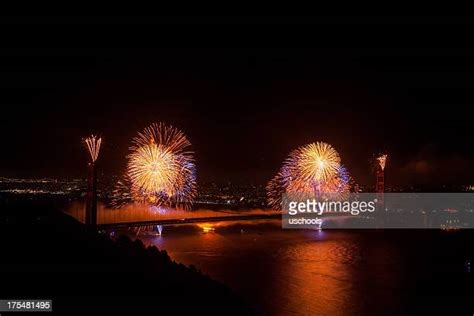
<point>293,272</point>
<point>207,227</point>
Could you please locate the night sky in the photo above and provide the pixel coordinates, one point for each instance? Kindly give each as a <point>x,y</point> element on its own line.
<point>246,91</point>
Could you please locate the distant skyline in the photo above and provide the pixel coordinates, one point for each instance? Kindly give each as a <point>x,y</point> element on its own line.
<point>244,94</point>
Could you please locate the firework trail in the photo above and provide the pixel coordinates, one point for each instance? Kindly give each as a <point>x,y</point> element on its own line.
<point>122,193</point>
<point>160,170</point>
<point>92,144</point>
<point>314,168</point>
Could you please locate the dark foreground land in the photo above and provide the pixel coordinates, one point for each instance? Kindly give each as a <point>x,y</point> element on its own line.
<point>47,255</point>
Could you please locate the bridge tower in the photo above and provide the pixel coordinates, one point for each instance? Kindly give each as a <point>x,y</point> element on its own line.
<point>93,146</point>
<point>91,196</point>
<point>380,181</point>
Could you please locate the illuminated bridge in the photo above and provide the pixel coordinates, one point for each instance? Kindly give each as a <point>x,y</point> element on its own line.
<point>164,222</point>
<point>136,216</point>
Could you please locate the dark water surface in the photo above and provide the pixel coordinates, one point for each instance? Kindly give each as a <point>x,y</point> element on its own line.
<point>303,272</point>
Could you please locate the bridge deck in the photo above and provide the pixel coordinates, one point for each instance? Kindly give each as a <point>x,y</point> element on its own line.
<point>189,220</point>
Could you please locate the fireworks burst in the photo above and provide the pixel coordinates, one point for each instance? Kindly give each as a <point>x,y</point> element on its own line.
<point>314,168</point>
<point>160,169</point>
<point>382,161</point>
<point>92,144</point>
<point>317,162</point>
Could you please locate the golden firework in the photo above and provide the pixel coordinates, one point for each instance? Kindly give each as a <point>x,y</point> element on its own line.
<point>382,161</point>
<point>92,144</point>
<point>314,168</point>
<point>317,162</point>
<point>160,168</point>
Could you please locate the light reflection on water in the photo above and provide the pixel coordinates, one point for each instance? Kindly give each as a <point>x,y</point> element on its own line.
<point>281,272</point>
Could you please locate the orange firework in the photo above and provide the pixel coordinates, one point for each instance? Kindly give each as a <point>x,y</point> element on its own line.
<point>382,161</point>
<point>153,168</point>
<point>314,168</point>
<point>317,162</point>
<point>160,168</point>
<point>93,146</point>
